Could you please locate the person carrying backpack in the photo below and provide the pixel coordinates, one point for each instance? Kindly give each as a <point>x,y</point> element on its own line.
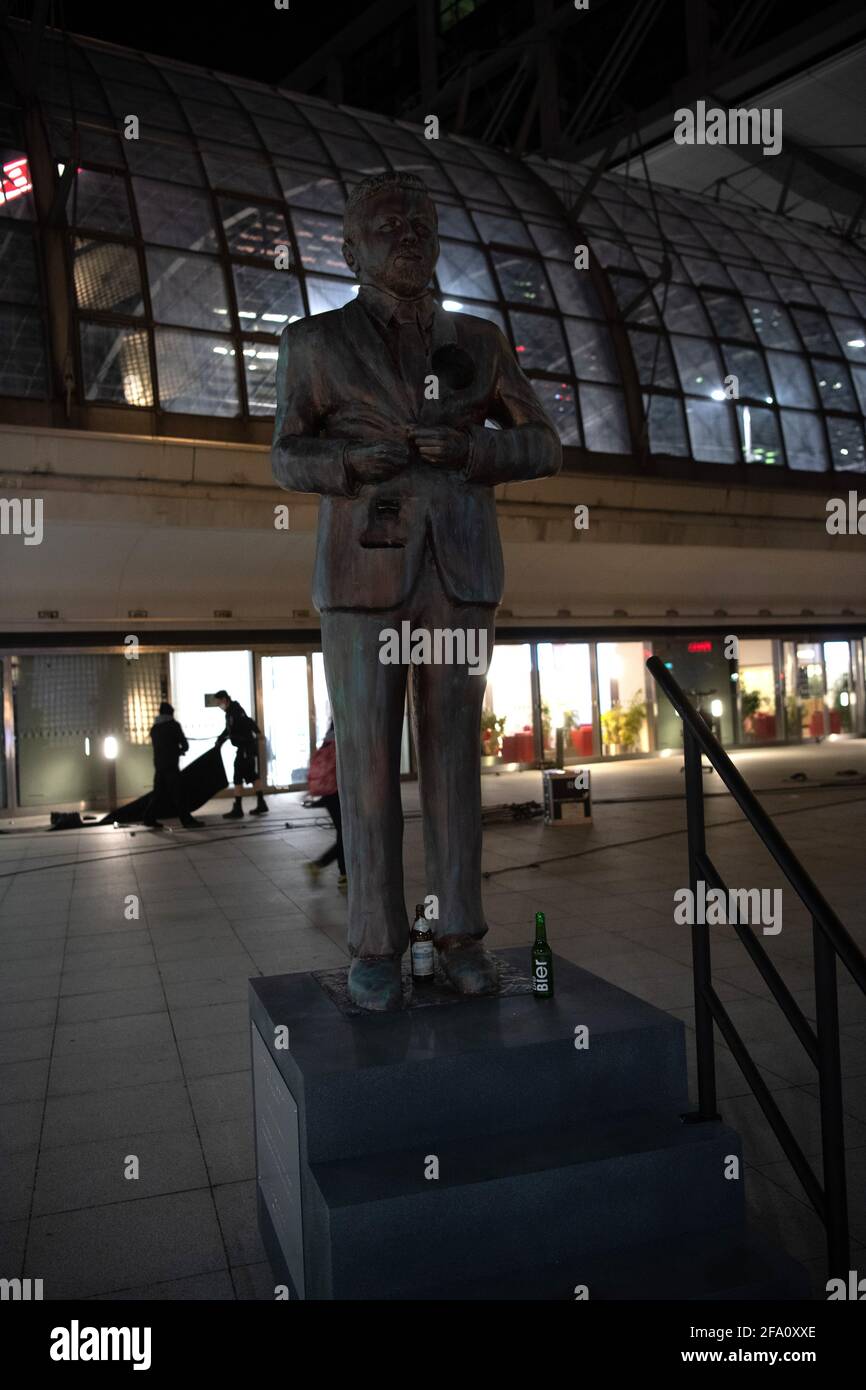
<point>244,734</point>
<point>322,782</point>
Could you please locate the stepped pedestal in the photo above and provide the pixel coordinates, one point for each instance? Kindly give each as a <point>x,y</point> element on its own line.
<point>471,1150</point>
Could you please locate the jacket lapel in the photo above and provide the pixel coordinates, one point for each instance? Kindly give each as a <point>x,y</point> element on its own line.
<point>369,347</point>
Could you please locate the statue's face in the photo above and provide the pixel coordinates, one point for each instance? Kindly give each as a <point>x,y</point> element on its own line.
<point>395,246</point>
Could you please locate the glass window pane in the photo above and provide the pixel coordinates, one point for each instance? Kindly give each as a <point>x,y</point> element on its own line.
<point>859,377</point>
<point>22,353</point>
<point>107,277</point>
<point>361,155</point>
<point>320,242</point>
<point>605,427</point>
<point>454,222</point>
<point>252,229</point>
<point>101,202</point>
<point>816,331</point>
<point>328,294</point>
<point>635,298</point>
<point>752,282</point>
<point>474,184</point>
<point>747,366</point>
<point>846,444</point>
<point>187,84</point>
<point>307,187</point>
<point>286,722</point>
<point>506,716</point>
<point>260,365</point>
<point>711,428</point>
<point>463,270</point>
<point>481,311</point>
<point>195,674</point>
<point>851,335</point>
<point>553,242</point>
<point>213,122</point>
<point>505,230</point>
<point>238,169</point>
<point>18,277</point>
<point>699,366</point>
<point>574,290</point>
<point>667,428</point>
<point>759,435</point>
<point>730,319</point>
<point>187,290</point>
<point>772,324</point>
<point>153,108</point>
<point>178,163</point>
<point>539,343</point>
<point>614,254</point>
<point>591,350</point>
<point>197,373</point>
<point>267,298</point>
<point>115,364</point>
<point>291,141</point>
<point>557,397</point>
<point>175,216</point>
<point>565,678</point>
<point>655,366</point>
<point>834,298</point>
<point>792,291</point>
<point>805,444</point>
<point>792,379</point>
<point>622,697</point>
<point>681,309</point>
<point>834,384</point>
<point>522,280</point>
<point>704,272</point>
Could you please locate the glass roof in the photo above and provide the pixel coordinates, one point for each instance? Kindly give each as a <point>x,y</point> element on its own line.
<point>204,214</point>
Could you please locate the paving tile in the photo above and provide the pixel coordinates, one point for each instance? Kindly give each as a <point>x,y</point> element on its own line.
<point>126,1245</point>
<point>123,1067</point>
<point>20,1125</point>
<point>23,1080</point>
<point>214,1054</point>
<point>229,1150</point>
<point>109,1114</point>
<point>236,1209</point>
<point>198,1288</point>
<point>228,1096</point>
<point>93,1174</point>
<point>17,1185</point>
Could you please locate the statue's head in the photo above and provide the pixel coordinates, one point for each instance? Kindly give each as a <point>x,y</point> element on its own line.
<point>389,233</point>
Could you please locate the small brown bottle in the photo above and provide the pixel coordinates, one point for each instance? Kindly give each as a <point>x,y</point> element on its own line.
<point>421,949</point>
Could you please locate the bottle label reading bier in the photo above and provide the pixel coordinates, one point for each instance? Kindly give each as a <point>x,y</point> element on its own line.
<point>540,978</point>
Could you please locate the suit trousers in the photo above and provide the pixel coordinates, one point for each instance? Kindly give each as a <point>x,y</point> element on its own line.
<point>367,701</point>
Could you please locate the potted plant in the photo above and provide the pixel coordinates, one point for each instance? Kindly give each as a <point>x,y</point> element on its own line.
<point>492,726</point>
<point>621,728</point>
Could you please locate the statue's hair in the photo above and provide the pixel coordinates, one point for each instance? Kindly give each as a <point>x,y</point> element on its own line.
<point>377,183</point>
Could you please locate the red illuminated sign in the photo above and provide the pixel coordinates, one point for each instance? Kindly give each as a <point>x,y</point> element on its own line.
<point>14,179</point>
<point>700,646</point>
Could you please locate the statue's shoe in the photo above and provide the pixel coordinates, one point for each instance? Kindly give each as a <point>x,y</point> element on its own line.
<point>376,985</point>
<point>468,967</point>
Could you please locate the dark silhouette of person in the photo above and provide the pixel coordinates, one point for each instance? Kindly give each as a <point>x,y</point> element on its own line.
<point>169,744</point>
<point>244,733</point>
<point>323,785</point>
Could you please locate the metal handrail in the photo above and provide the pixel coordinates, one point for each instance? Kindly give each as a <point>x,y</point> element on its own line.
<point>829,939</point>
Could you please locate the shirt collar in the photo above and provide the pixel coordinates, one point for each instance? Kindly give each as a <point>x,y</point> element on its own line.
<point>384,306</point>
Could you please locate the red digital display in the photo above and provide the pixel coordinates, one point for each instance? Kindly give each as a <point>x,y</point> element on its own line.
<point>700,646</point>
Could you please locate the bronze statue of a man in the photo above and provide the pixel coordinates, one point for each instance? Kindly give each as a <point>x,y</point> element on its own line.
<point>381,408</point>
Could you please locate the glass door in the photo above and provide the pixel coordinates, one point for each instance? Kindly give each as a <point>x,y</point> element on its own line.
<point>841,696</point>
<point>286,719</point>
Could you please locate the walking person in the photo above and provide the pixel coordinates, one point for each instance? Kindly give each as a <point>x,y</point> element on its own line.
<point>169,744</point>
<point>244,734</point>
<point>322,781</point>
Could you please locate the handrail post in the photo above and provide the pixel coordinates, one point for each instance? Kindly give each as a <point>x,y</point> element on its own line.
<point>830,1091</point>
<point>704,1038</point>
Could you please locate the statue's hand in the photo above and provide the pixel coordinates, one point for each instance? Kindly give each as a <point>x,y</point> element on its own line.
<point>374,463</point>
<point>443,447</point>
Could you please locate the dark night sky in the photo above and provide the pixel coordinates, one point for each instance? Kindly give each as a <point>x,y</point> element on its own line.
<point>247,37</point>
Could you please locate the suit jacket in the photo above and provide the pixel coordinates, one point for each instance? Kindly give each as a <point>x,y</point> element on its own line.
<point>337,383</point>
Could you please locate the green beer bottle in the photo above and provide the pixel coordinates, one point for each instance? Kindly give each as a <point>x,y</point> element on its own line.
<point>542,961</point>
